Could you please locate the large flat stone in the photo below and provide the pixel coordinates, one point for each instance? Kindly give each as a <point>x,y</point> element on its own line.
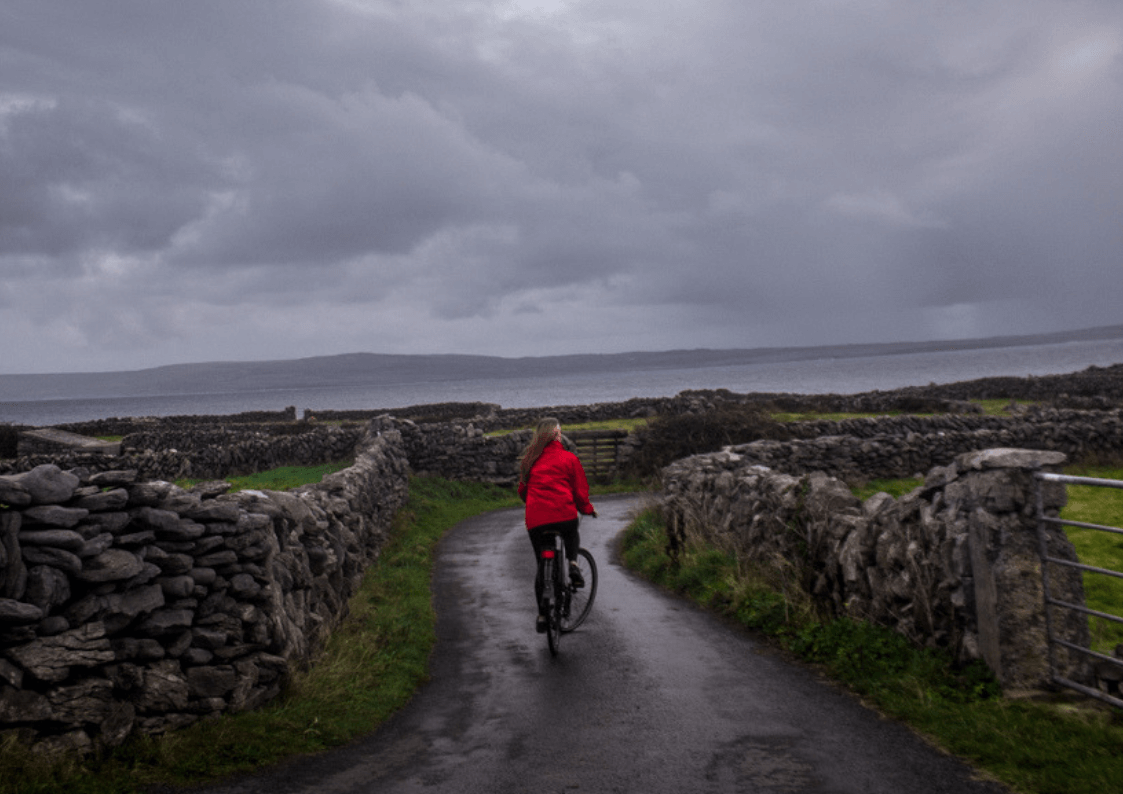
<point>111,566</point>
<point>50,658</point>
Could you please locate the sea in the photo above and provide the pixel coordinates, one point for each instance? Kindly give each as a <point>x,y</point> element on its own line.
<point>820,376</point>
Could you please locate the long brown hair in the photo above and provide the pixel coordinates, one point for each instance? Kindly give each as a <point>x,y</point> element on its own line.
<point>543,435</point>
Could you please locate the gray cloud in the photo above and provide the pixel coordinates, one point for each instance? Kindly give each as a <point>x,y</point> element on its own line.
<point>231,180</point>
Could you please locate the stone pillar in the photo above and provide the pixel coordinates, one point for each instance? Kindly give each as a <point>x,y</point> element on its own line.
<point>996,491</point>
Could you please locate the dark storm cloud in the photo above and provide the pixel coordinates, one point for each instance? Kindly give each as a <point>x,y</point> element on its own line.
<point>269,179</point>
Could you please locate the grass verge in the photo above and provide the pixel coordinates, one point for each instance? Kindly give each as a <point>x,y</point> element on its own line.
<point>1103,506</point>
<point>280,479</point>
<point>370,667</point>
<point>1038,747</point>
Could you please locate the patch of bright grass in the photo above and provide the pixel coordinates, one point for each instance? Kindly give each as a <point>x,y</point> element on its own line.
<point>895,488</point>
<point>1001,406</point>
<point>812,416</point>
<point>1103,506</point>
<point>1038,747</point>
<point>279,479</point>
<point>370,666</point>
<point>604,424</point>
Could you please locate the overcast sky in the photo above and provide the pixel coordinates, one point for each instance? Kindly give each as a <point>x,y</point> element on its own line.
<point>270,179</point>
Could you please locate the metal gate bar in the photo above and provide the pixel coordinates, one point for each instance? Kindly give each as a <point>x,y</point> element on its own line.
<point>1042,542</point>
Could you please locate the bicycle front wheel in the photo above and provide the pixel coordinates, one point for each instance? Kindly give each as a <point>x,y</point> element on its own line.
<point>580,599</point>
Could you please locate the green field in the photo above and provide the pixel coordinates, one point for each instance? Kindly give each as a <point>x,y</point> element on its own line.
<point>1103,506</point>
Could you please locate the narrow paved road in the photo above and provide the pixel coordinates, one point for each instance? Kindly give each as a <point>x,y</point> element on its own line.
<point>650,695</point>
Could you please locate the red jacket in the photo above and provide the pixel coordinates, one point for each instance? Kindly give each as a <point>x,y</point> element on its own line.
<point>557,490</point>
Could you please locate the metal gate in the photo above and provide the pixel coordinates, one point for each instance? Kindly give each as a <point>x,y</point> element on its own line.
<point>1115,665</point>
<point>602,452</point>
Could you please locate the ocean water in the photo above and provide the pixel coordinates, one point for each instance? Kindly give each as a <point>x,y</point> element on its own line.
<point>839,376</point>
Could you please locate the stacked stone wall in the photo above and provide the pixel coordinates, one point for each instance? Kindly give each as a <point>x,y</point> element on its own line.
<point>202,453</point>
<point>137,606</point>
<point>122,426</point>
<point>953,565</point>
<point>895,447</point>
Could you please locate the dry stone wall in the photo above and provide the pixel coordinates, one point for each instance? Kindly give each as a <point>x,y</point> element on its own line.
<point>895,447</point>
<point>954,564</point>
<point>137,606</point>
<point>178,452</point>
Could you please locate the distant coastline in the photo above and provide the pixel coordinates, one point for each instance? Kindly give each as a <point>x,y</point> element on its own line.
<point>353,369</point>
<point>368,381</point>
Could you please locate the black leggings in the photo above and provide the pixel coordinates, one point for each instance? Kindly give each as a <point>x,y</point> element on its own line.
<point>541,538</point>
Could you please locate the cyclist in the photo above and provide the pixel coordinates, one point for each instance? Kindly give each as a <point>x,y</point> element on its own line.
<point>555,489</point>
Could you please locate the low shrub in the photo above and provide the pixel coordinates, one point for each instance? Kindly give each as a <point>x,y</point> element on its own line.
<point>668,438</point>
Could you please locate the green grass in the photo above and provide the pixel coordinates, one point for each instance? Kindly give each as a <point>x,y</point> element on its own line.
<point>895,488</point>
<point>1038,747</point>
<point>606,424</point>
<point>1000,406</point>
<point>991,407</point>
<point>1103,506</point>
<point>279,479</point>
<point>370,667</point>
<point>815,416</point>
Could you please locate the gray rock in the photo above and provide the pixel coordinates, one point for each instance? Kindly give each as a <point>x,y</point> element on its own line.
<point>208,638</point>
<point>1006,458</point>
<point>60,538</point>
<point>22,706</point>
<point>55,558</point>
<point>168,524</point>
<point>111,479</point>
<point>196,656</point>
<point>118,724</point>
<point>147,649</point>
<point>88,702</point>
<point>209,490</point>
<point>149,493</point>
<point>143,538</point>
<point>47,587</point>
<point>50,658</point>
<point>203,576</point>
<point>111,566</point>
<point>175,564</point>
<point>148,573</point>
<point>167,621</point>
<point>48,484</point>
<point>104,501</point>
<point>13,492</point>
<point>53,625</point>
<point>10,674</point>
<point>211,511</point>
<point>54,515</point>
<point>211,682</point>
<point>165,688</point>
<point>133,603</point>
<point>14,612</point>
<point>95,546</point>
<point>244,586</point>
<point>177,586</point>
<point>13,572</point>
<point>217,559</point>
<point>114,523</point>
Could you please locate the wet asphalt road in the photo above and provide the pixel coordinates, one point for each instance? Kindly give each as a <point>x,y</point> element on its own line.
<point>649,695</point>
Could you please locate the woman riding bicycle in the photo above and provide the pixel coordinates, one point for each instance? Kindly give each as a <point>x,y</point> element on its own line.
<point>555,489</point>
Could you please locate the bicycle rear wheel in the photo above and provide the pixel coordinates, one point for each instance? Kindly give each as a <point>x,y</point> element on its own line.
<point>580,600</point>
<point>551,594</point>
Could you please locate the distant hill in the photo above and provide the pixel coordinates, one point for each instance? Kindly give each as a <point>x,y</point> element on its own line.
<point>356,369</point>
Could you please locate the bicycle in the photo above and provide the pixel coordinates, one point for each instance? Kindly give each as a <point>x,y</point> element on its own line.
<point>564,605</point>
